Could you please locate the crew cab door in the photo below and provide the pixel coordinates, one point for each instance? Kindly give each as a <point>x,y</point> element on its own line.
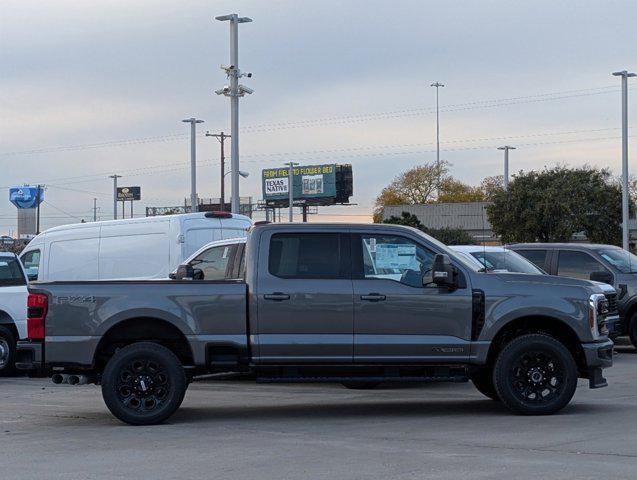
<point>304,298</point>
<point>396,319</point>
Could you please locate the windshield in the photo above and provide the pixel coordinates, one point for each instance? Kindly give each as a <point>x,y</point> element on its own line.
<point>622,260</point>
<point>505,261</point>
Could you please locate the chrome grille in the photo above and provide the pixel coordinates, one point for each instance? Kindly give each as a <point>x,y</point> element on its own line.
<point>611,298</point>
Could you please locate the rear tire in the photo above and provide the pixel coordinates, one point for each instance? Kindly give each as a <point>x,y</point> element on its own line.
<point>535,375</point>
<point>632,329</point>
<point>483,381</point>
<point>143,384</point>
<point>7,351</point>
<point>360,385</point>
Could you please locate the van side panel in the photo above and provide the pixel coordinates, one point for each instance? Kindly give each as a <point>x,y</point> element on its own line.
<point>73,257</point>
<point>197,232</point>
<point>134,250</point>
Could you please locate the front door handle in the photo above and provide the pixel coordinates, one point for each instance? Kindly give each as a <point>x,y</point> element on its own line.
<point>276,296</point>
<point>373,297</point>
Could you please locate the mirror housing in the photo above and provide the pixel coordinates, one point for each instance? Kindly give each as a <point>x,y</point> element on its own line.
<point>183,272</point>
<point>604,277</point>
<point>443,272</point>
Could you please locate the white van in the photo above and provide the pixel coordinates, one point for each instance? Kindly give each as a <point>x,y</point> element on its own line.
<point>140,248</point>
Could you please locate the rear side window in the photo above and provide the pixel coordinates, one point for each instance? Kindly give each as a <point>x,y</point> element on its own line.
<point>536,257</point>
<point>309,255</point>
<point>10,273</point>
<point>578,265</point>
<point>31,263</point>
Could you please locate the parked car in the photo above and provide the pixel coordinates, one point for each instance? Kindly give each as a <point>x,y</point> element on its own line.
<point>316,305</point>
<point>13,309</point>
<point>140,248</point>
<point>220,260</point>
<point>603,263</point>
<point>497,259</point>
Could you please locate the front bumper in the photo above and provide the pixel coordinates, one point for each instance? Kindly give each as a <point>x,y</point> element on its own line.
<point>614,325</point>
<point>29,356</point>
<point>598,355</point>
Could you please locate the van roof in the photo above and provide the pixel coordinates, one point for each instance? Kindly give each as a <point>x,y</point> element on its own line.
<point>159,218</point>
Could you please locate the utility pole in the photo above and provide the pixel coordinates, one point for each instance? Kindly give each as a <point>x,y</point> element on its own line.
<point>222,138</point>
<point>437,85</point>
<point>291,166</point>
<point>95,209</point>
<point>506,149</point>
<point>234,91</point>
<point>115,177</point>
<point>194,204</point>
<point>37,224</point>
<point>625,194</point>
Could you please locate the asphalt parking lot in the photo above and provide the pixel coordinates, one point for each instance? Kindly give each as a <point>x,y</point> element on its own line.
<point>239,430</point>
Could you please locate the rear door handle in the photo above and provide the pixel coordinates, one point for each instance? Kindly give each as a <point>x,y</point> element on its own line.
<point>276,296</point>
<point>373,297</point>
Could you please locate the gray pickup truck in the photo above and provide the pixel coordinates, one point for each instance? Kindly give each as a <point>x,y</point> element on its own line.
<point>354,304</point>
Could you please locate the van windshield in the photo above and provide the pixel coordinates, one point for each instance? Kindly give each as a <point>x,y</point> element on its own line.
<point>622,260</point>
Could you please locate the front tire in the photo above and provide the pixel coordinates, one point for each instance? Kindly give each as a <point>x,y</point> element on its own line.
<point>535,375</point>
<point>7,351</point>
<point>143,384</point>
<point>632,329</point>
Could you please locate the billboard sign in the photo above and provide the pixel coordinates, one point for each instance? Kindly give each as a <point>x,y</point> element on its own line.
<point>129,193</point>
<point>26,196</point>
<point>315,184</point>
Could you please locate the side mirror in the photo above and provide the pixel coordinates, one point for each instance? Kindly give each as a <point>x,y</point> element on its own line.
<point>603,276</point>
<point>443,272</point>
<point>183,272</point>
<point>32,277</point>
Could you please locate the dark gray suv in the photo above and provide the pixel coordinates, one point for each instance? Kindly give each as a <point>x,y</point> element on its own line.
<point>603,263</point>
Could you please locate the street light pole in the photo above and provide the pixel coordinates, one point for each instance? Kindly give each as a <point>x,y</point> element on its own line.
<point>291,166</point>
<point>115,177</point>
<point>506,149</point>
<point>234,91</point>
<point>437,85</point>
<point>222,138</point>
<point>625,194</point>
<point>194,204</point>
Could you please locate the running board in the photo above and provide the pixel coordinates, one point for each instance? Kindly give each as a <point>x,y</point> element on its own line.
<point>290,379</point>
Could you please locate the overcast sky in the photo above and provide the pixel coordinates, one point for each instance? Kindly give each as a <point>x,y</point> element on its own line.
<point>335,82</point>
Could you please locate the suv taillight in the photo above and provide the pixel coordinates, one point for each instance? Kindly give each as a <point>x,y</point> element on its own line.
<point>37,306</point>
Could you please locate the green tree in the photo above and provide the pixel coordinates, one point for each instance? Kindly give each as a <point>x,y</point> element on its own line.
<point>553,204</point>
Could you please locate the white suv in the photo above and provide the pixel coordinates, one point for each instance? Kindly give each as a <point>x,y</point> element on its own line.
<point>13,309</point>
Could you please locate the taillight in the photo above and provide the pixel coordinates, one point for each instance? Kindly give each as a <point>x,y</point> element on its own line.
<point>218,214</point>
<point>37,306</point>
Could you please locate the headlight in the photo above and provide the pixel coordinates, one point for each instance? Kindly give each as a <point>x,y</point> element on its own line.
<point>597,310</point>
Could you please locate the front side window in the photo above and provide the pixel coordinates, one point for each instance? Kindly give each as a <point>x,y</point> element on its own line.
<point>395,258</point>
<point>308,255</point>
<point>10,272</point>
<point>214,262</point>
<point>536,257</point>
<point>31,262</point>
<point>578,265</point>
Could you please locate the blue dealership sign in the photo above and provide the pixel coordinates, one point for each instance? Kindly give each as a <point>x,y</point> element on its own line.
<point>25,196</point>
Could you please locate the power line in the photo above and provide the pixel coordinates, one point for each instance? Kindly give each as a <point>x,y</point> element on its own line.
<point>340,119</point>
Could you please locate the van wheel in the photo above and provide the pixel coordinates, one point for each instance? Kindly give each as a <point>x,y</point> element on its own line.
<point>632,330</point>
<point>143,384</point>
<point>535,375</point>
<point>483,381</point>
<point>7,351</point>
<point>360,385</point>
